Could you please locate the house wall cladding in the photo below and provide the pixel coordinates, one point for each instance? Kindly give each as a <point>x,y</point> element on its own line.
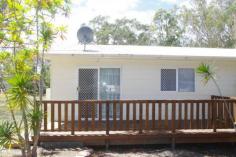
<point>139,78</point>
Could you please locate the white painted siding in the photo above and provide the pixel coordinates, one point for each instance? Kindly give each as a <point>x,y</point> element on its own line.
<point>140,78</point>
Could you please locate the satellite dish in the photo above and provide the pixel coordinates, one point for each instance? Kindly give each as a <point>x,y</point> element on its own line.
<point>85,35</point>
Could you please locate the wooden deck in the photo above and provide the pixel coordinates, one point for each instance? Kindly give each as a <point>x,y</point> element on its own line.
<point>139,121</point>
<point>147,137</point>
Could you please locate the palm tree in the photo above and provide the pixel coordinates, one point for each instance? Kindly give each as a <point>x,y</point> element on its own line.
<point>208,74</point>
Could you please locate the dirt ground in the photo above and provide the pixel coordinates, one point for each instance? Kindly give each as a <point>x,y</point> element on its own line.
<point>190,150</point>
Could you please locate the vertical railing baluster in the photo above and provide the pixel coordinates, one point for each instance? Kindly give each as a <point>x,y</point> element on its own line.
<point>107,118</point>
<point>173,116</point>
<point>227,116</point>
<point>100,115</point>
<point>209,119</point>
<point>52,116</point>
<point>59,116</point>
<point>147,116</point>
<point>121,115</point>
<point>140,117</point>
<point>166,116</point>
<point>180,115</point>
<point>72,118</point>
<point>233,113</point>
<point>209,114</point>
<point>114,114</point>
<point>203,115</point>
<point>197,115</point>
<point>66,116</point>
<point>134,115</point>
<point>153,115</point>
<point>214,113</point>
<point>185,115</point>
<point>127,115</point>
<point>86,115</point>
<point>93,116</point>
<point>159,115</point>
<point>191,115</point>
<point>45,105</point>
<point>79,115</point>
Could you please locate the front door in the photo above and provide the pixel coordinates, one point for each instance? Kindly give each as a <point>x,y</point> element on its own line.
<point>88,87</point>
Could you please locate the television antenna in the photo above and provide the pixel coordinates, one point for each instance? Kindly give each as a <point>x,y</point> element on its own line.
<point>85,35</point>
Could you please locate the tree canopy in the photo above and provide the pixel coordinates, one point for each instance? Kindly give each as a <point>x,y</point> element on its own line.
<point>204,24</point>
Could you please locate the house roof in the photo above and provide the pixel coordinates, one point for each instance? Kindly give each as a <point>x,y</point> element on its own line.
<point>144,51</point>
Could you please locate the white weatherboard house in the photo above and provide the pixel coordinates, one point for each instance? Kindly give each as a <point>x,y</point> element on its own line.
<point>138,72</point>
<point>110,72</point>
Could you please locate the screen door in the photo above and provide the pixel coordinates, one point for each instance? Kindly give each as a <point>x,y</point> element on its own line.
<point>88,87</point>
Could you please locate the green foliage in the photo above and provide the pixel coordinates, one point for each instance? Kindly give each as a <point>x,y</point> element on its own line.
<point>206,71</point>
<point>121,32</point>
<point>205,24</point>
<point>167,27</point>
<point>212,24</point>
<point>34,118</point>
<point>47,34</point>
<point>7,134</point>
<point>18,92</point>
<point>47,74</point>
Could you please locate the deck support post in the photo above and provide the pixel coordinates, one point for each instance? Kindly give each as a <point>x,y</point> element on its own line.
<point>107,144</point>
<point>173,143</point>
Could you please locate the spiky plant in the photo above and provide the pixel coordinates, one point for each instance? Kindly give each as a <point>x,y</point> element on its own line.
<point>8,135</point>
<point>208,74</point>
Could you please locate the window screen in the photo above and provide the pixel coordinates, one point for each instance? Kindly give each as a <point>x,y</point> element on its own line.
<point>186,79</point>
<point>168,80</point>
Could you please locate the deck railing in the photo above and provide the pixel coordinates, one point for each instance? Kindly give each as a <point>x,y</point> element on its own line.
<point>136,115</point>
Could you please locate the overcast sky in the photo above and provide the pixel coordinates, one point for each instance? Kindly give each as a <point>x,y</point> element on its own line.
<point>83,11</point>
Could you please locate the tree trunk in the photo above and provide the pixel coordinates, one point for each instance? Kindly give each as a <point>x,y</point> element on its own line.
<point>26,130</point>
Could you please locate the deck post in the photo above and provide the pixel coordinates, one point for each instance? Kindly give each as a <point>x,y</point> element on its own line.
<point>107,118</point>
